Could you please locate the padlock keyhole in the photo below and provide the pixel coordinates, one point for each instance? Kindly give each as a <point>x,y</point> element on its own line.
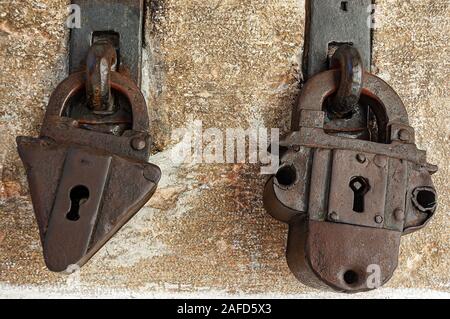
<point>78,196</point>
<point>360,187</point>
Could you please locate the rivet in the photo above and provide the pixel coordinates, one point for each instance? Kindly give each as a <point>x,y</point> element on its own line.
<point>361,158</point>
<point>379,219</point>
<point>380,161</point>
<point>334,216</point>
<point>138,143</point>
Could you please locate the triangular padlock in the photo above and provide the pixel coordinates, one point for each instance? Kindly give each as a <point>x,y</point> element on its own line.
<point>82,197</point>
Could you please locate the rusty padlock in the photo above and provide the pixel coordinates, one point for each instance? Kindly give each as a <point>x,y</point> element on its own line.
<point>348,200</point>
<point>88,172</point>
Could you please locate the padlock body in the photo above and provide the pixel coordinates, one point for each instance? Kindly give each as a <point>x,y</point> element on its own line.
<point>82,196</point>
<point>348,200</point>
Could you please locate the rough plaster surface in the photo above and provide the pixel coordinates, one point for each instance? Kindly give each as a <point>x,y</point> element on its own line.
<point>228,63</point>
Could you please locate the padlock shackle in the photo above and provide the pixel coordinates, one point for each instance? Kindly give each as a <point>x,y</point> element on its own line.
<point>101,61</point>
<point>120,83</point>
<point>324,84</point>
<point>348,60</point>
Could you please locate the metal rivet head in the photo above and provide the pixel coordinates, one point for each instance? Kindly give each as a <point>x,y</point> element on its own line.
<point>380,161</point>
<point>379,219</point>
<point>361,158</point>
<point>333,216</point>
<point>399,214</point>
<point>138,143</point>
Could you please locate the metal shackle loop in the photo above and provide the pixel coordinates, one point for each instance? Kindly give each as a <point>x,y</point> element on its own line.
<point>100,62</point>
<point>349,61</point>
<point>321,86</point>
<point>119,83</point>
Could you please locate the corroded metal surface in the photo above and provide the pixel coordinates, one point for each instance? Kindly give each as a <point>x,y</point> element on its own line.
<point>123,18</point>
<point>112,173</point>
<point>88,172</point>
<point>101,59</point>
<point>179,244</point>
<point>349,182</point>
<point>335,22</point>
<point>349,61</point>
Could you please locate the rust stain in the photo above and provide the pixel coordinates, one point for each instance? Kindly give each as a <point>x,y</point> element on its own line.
<point>245,56</point>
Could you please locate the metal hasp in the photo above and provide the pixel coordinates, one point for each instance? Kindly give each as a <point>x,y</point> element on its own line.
<point>88,172</point>
<point>119,20</point>
<point>330,23</point>
<point>351,180</point>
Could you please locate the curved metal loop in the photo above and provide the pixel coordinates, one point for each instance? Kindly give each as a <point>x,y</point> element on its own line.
<point>318,88</point>
<point>100,62</point>
<point>120,83</point>
<point>349,61</point>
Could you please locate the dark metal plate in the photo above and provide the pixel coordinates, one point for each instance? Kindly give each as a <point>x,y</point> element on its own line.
<point>122,17</point>
<point>332,22</point>
<point>76,207</point>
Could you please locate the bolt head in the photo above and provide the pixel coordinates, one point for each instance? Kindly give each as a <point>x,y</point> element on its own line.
<point>380,161</point>
<point>361,158</point>
<point>138,143</point>
<point>379,219</point>
<point>334,216</point>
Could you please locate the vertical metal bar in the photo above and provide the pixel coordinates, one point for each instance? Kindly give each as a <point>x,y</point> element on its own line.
<point>330,23</point>
<point>121,20</point>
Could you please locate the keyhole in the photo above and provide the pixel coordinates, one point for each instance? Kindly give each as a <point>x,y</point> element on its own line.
<point>360,186</point>
<point>344,6</point>
<point>78,196</point>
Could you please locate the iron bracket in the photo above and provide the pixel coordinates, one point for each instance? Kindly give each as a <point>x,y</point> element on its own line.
<point>330,23</point>
<point>119,21</point>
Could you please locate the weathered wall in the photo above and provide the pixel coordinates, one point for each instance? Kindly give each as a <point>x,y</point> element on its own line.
<point>228,63</point>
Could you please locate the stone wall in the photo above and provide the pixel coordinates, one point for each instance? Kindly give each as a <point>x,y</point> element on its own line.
<point>229,63</point>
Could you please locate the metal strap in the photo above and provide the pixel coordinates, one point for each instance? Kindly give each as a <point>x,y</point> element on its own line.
<point>330,23</point>
<point>121,21</point>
